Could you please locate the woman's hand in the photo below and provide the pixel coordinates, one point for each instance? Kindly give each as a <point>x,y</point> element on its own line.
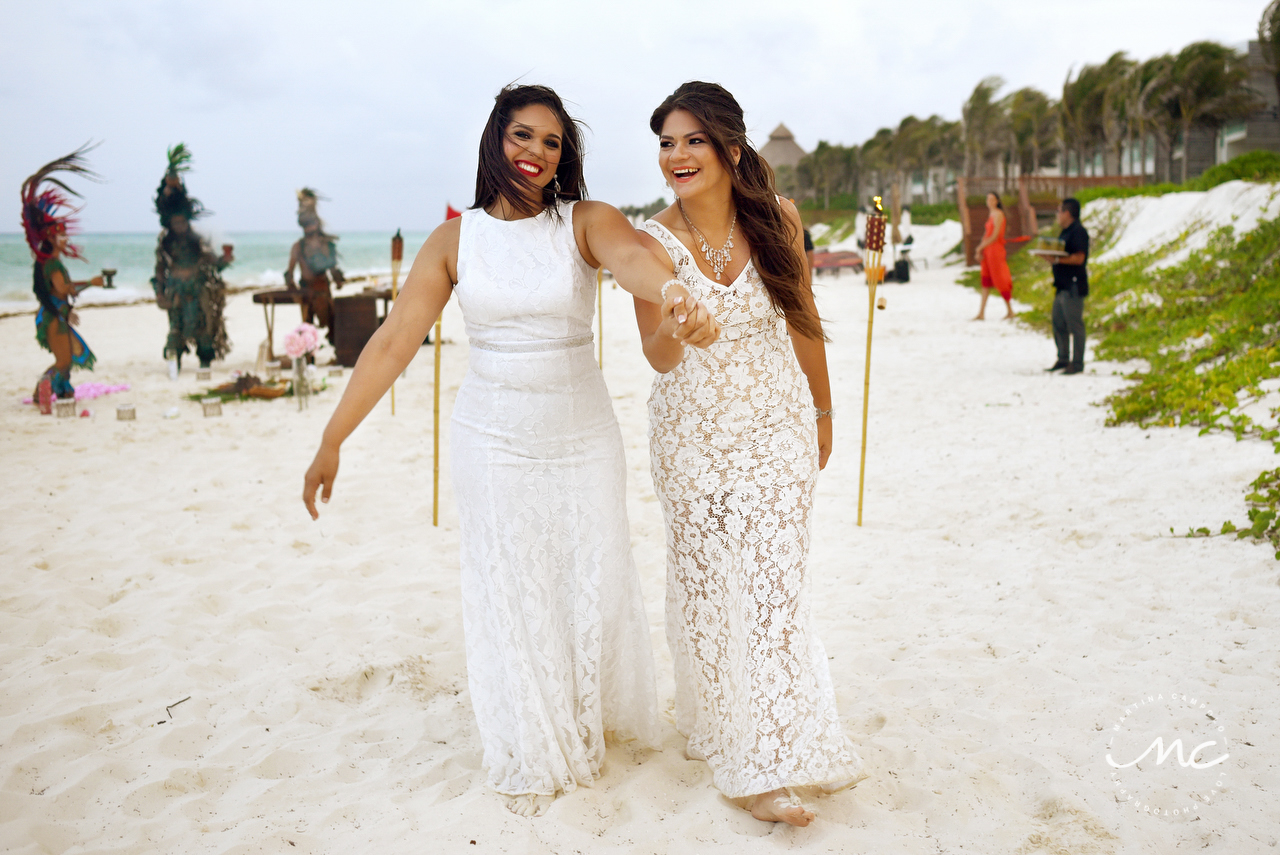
<point>96,282</point>
<point>824,441</point>
<point>688,321</point>
<point>322,473</point>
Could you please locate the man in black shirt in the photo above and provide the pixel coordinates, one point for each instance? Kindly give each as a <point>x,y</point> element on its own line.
<point>1071,281</point>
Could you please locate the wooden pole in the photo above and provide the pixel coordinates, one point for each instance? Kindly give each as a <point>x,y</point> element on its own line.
<point>872,277</point>
<point>435,465</point>
<point>397,255</point>
<point>600,310</point>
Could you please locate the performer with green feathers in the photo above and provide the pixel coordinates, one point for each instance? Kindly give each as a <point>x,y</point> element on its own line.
<point>188,281</point>
<point>315,255</point>
<point>46,226</point>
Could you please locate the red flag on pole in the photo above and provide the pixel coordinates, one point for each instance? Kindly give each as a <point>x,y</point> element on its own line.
<point>450,213</point>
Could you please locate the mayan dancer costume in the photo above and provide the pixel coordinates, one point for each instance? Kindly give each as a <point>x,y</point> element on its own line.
<point>188,281</point>
<point>315,255</point>
<point>46,225</point>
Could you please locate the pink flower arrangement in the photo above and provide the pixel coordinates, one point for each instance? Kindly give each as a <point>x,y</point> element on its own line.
<point>303,340</point>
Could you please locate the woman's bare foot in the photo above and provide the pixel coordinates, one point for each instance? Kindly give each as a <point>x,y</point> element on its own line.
<point>978,318</point>
<point>778,806</point>
<point>528,804</point>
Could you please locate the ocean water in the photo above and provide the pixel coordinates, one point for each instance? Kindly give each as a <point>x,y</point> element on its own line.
<point>261,258</point>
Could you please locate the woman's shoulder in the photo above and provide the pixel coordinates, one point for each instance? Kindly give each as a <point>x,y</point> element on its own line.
<point>52,265</point>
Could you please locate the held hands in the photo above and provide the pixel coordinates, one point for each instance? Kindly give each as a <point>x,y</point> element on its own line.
<point>688,320</point>
<point>321,473</point>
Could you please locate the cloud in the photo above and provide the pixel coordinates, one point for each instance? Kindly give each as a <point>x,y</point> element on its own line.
<point>381,104</point>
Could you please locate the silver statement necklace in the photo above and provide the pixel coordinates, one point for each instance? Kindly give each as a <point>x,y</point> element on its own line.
<point>718,258</point>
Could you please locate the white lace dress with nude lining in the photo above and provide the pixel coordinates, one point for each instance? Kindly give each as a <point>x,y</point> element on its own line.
<point>558,652</point>
<point>734,452</point>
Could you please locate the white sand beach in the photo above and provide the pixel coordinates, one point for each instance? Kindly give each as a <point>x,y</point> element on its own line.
<point>1014,586</point>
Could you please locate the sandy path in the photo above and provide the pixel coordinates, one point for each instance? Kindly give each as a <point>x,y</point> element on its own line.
<point>1015,585</point>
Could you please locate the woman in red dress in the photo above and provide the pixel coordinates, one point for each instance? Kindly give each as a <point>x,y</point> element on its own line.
<point>995,270</point>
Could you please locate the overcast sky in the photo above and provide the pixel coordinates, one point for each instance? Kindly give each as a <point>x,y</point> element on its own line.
<point>379,105</point>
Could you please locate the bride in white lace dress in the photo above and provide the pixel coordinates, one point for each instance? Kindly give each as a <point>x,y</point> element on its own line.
<point>737,437</point>
<point>558,654</point>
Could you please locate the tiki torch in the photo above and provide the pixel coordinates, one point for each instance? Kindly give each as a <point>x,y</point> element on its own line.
<point>875,275</point>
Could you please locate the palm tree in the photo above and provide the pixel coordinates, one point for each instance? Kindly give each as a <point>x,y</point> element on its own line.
<point>1032,120</point>
<point>1114,116</point>
<point>1269,39</point>
<point>984,121</point>
<point>1209,87</point>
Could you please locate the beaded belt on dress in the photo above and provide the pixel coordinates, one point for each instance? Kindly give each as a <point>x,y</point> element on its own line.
<point>533,346</point>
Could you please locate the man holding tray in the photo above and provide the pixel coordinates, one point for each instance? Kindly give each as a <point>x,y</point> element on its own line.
<point>1071,281</point>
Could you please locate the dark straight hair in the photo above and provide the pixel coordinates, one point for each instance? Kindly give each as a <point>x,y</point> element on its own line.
<point>1072,206</point>
<point>760,217</point>
<point>999,204</point>
<point>497,177</point>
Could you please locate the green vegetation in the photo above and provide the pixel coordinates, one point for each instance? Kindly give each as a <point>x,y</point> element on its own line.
<point>644,212</point>
<point>1207,329</point>
<point>1252,166</point>
<point>932,215</point>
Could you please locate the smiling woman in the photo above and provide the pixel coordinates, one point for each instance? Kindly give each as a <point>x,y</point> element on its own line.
<point>557,641</point>
<point>544,138</point>
<point>737,435</point>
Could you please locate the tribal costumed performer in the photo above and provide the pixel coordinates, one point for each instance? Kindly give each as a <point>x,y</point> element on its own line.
<point>315,255</point>
<point>46,225</point>
<point>188,281</point>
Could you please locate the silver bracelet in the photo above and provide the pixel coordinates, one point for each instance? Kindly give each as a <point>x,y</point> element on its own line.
<point>825,414</point>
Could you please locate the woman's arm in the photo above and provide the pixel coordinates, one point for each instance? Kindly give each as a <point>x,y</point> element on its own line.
<point>658,336</point>
<point>812,353</point>
<point>426,290</point>
<point>64,288</point>
<point>607,239</point>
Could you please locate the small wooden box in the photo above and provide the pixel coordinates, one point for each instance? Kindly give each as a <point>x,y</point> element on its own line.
<point>126,413</point>
<point>355,320</point>
<point>335,372</point>
<point>65,409</point>
<point>211,406</point>
<point>204,374</point>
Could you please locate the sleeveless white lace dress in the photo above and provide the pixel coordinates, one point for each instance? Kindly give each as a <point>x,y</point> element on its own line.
<point>558,651</point>
<point>734,450</point>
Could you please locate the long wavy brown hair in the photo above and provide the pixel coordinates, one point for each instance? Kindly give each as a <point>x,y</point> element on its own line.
<point>497,177</point>
<point>760,217</point>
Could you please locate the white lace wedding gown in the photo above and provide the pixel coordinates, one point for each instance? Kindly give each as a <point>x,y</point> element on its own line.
<point>558,651</point>
<point>734,450</point>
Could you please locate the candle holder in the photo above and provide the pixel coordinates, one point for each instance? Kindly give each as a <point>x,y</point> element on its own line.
<point>211,406</point>
<point>108,274</point>
<point>273,369</point>
<point>65,408</point>
<point>126,413</point>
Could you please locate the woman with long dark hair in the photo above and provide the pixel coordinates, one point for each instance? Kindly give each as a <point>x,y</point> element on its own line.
<point>45,227</point>
<point>995,266</point>
<point>738,433</point>
<point>557,642</point>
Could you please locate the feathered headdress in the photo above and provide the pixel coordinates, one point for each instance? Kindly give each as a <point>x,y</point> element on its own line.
<point>307,199</point>
<point>171,195</point>
<point>42,205</point>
